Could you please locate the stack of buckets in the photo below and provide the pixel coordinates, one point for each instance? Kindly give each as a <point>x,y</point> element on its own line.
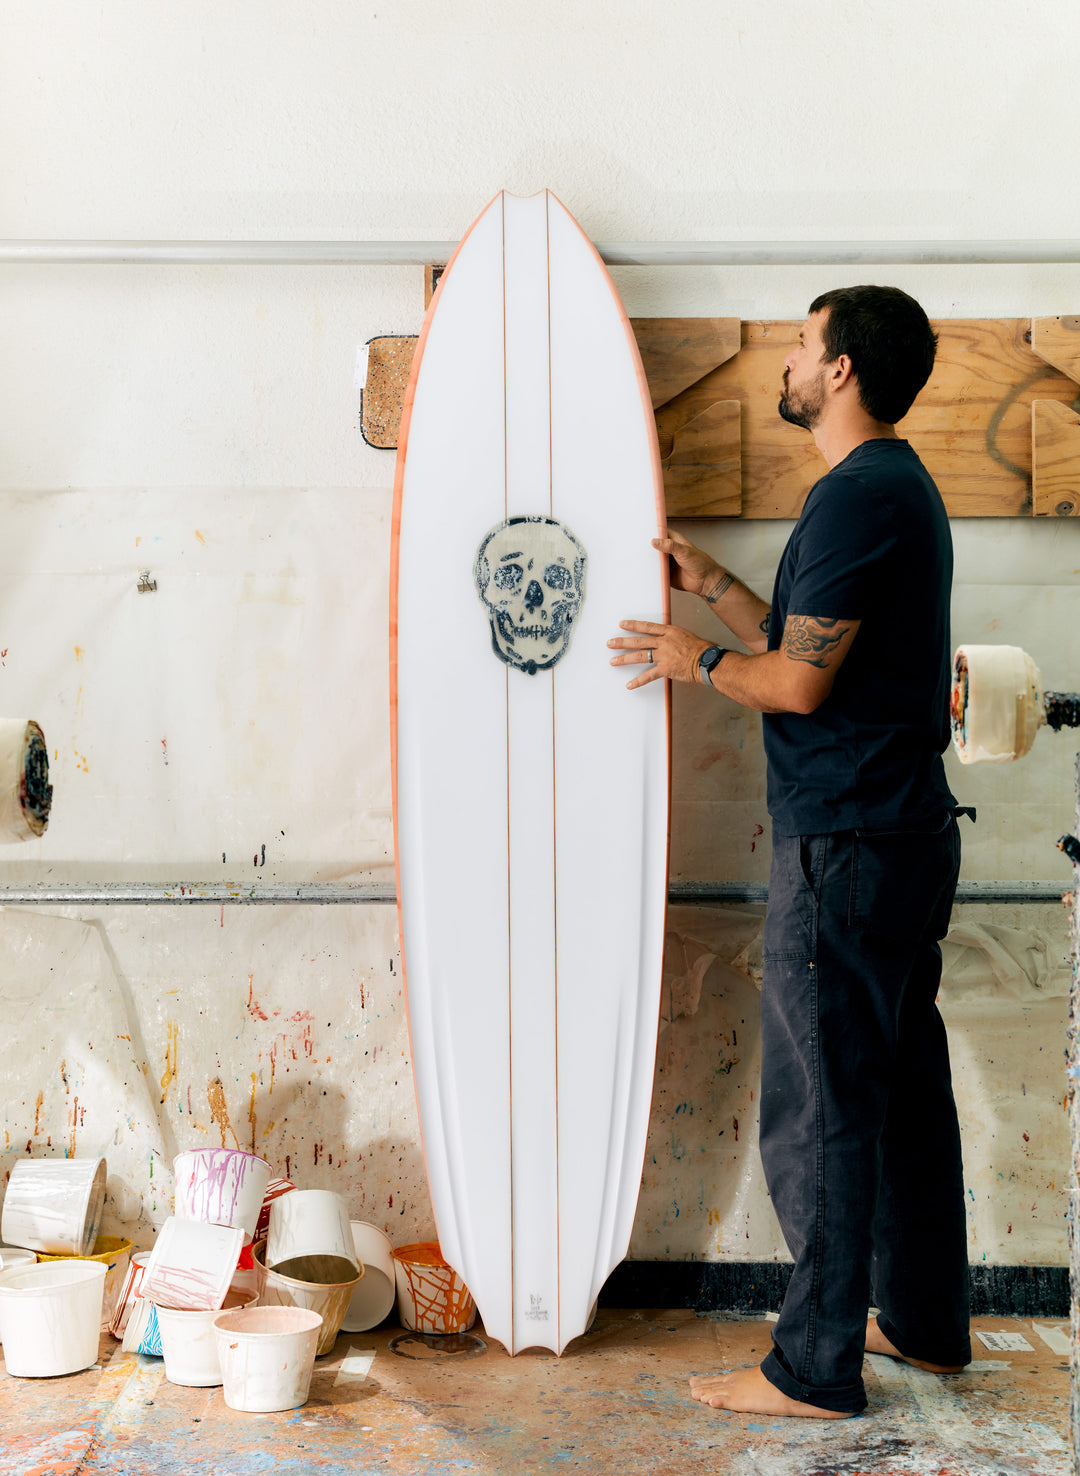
<point>248,1282</point>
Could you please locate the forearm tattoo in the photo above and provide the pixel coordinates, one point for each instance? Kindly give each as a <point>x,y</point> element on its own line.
<point>766,624</point>
<point>719,587</point>
<point>810,640</point>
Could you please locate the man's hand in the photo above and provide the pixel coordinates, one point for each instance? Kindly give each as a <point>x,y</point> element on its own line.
<point>672,651</point>
<point>692,569</point>
<point>796,678</point>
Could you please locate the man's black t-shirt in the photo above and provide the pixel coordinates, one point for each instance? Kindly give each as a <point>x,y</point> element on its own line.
<point>872,544</point>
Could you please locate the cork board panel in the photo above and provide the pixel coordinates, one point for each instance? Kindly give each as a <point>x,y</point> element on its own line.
<point>389,362</point>
<point>971,424</point>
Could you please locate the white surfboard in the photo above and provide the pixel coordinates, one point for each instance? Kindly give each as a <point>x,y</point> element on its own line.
<point>530,787</point>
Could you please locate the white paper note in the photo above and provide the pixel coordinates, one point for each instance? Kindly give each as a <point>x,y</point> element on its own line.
<point>1005,1342</point>
<point>1055,1336</point>
<point>355,1366</point>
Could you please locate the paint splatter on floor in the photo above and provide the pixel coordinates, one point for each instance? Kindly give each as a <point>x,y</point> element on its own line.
<point>615,1402</point>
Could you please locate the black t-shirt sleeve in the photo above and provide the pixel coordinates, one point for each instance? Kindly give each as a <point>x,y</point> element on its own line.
<point>842,536</point>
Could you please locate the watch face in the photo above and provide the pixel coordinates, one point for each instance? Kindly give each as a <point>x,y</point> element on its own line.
<point>708,659</point>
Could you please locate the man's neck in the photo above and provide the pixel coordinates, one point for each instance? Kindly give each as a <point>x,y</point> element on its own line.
<point>835,442</point>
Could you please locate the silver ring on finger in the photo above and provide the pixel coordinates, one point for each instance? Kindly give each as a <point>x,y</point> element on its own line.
<point>649,657</point>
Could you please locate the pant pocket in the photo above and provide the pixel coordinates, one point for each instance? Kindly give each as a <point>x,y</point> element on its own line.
<point>904,881</point>
<point>792,918</point>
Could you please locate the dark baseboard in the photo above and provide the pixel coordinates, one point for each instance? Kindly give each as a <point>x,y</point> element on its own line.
<point>749,1287</point>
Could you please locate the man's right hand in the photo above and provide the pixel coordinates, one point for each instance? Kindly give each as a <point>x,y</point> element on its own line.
<point>692,569</point>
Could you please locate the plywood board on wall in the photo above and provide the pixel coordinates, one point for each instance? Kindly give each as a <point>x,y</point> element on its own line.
<point>971,424</point>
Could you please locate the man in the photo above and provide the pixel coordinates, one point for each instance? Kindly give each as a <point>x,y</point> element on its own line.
<point>850,665</point>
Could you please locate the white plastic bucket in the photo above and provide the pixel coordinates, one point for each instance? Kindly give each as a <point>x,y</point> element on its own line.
<point>329,1299</point>
<point>15,1255</point>
<point>223,1186</point>
<point>192,1264</point>
<point>309,1237</point>
<point>142,1334</point>
<point>266,1356</point>
<point>50,1317</point>
<point>188,1344</point>
<point>54,1204</point>
<point>432,1297</point>
<point>274,1190</point>
<point>129,1294</point>
<point>373,1299</point>
<point>114,1252</point>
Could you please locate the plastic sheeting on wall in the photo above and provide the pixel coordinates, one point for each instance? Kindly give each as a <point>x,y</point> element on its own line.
<point>73,1081</point>
<point>1003,999</point>
<point>149,1032</point>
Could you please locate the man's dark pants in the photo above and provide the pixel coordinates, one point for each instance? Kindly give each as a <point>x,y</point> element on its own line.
<point>859,1137</point>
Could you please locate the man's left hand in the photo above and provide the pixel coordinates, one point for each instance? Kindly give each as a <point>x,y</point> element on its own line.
<point>673,652</point>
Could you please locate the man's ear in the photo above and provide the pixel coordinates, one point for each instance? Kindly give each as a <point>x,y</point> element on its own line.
<point>842,372</point>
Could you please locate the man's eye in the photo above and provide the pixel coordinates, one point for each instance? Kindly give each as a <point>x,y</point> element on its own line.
<point>558,577</point>
<point>508,577</point>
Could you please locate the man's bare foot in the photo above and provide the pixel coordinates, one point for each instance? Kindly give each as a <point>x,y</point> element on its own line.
<point>748,1391</point>
<point>877,1342</point>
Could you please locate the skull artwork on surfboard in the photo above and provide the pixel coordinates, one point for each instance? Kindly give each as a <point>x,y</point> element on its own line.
<point>530,574</point>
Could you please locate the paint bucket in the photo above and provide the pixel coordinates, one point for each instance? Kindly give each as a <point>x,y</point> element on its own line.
<point>192,1264</point>
<point>188,1344</point>
<point>266,1356</point>
<point>143,1332</point>
<point>329,1298</point>
<point>274,1190</point>
<point>12,1256</point>
<point>16,1255</point>
<point>309,1237</point>
<point>432,1297</point>
<point>130,1291</point>
<point>54,1204</point>
<point>50,1317</point>
<point>373,1300</point>
<point>114,1252</point>
<point>223,1186</point>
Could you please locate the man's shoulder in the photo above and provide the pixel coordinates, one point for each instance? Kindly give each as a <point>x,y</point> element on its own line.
<point>880,477</point>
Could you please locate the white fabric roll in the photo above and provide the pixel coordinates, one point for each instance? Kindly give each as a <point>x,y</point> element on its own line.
<point>25,791</point>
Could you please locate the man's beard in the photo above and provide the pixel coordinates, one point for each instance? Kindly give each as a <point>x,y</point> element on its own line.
<point>804,410</point>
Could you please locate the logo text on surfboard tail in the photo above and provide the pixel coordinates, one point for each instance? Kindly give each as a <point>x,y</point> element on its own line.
<point>530,574</point>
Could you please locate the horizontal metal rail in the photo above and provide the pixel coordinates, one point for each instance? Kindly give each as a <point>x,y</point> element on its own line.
<point>324,893</point>
<point>615,253</point>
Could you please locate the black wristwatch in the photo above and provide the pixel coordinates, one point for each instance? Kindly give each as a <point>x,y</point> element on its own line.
<point>708,660</point>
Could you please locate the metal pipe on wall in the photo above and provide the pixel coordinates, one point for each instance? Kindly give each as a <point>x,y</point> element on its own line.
<point>330,893</point>
<point>615,253</point>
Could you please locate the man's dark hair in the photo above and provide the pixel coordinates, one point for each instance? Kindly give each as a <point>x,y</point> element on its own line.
<point>888,339</point>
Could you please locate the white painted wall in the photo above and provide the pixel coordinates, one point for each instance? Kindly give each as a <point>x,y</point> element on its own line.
<point>202,422</point>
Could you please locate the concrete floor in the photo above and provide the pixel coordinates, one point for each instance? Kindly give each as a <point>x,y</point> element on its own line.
<point>616,1402</point>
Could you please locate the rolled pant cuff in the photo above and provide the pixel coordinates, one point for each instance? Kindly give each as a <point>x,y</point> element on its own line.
<point>959,1353</point>
<point>848,1400</point>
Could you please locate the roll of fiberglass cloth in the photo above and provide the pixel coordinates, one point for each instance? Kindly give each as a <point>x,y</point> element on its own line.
<point>25,791</point>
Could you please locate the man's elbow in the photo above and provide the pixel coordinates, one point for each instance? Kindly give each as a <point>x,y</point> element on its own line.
<point>806,699</point>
